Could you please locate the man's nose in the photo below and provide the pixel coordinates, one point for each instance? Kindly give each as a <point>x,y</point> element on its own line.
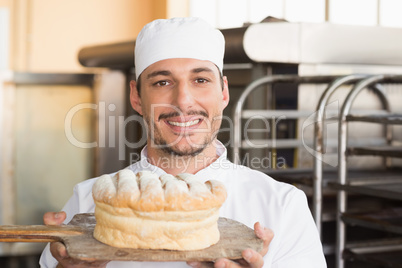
<point>184,98</point>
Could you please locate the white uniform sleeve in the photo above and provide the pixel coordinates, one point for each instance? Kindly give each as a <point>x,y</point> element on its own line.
<point>299,243</point>
<point>80,202</point>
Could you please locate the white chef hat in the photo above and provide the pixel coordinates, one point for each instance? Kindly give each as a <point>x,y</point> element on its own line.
<point>178,38</point>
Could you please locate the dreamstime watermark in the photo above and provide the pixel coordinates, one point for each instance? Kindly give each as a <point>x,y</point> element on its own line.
<point>112,132</point>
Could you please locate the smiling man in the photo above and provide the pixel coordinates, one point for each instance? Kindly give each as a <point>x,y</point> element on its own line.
<point>181,93</point>
<point>182,101</point>
<point>180,90</point>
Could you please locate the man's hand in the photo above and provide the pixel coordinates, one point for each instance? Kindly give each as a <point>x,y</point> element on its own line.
<point>251,258</point>
<point>58,249</point>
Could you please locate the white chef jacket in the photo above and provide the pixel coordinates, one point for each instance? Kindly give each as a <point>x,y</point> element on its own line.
<point>252,197</point>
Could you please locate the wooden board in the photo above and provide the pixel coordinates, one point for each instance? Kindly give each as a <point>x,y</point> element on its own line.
<point>80,244</point>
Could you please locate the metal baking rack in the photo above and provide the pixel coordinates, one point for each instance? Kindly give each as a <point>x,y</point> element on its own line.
<point>312,178</point>
<point>385,184</point>
<point>307,176</point>
<point>318,177</point>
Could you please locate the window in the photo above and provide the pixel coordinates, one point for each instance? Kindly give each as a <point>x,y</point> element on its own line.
<point>260,9</point>
<point>234,13</point>
<point>390,13</point>
<point>353,12</point>
<point>305,11</point>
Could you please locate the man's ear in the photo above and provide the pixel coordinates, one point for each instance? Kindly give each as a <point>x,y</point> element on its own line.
<point>135,97</point>
<point>225,92</point>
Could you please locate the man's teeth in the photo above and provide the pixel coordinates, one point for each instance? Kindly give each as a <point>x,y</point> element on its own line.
<point>184,124</point>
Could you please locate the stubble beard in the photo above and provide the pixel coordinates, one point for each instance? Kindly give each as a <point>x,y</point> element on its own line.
<point>172,149</point>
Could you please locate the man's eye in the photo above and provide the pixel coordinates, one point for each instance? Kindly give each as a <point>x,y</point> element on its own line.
<point>201,80</point>
<point>161,83</point>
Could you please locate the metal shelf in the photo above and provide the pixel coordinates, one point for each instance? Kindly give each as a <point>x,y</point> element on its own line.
<point>390,246</point>
<point>395,119</point>
<point>389,220</point>
<point>383,190</point>
<point>388,151</point>
<point>356,176</point>
<point>392,258</point>
<point>302,178</point>
<point>384,252</point>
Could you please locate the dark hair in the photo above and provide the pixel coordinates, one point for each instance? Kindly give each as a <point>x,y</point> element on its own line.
<point>138,86</point>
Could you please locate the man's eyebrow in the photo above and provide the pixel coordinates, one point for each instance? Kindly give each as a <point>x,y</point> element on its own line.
<point>202,69</point>
<point>156,73</point>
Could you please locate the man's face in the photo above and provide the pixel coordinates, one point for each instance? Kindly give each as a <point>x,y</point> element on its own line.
<point>182,101</point>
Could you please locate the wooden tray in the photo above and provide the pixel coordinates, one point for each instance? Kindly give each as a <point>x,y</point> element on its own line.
<point>80,244</point>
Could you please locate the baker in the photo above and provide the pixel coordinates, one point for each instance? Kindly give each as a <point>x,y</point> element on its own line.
<point>181,93</point>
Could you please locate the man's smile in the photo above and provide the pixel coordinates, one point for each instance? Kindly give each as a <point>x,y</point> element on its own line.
<point>184,124</point>
<point>181,123</point>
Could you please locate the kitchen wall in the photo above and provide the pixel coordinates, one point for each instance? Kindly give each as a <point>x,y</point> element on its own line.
<point>46,35</point>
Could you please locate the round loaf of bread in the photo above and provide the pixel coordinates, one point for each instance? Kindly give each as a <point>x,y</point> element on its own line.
<point>146,211</point>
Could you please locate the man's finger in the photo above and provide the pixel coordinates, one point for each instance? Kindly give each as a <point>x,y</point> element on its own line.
<point>254,259</point>
<point>225,263</point>
<point>54,218</point>
<point>251,259</point>
<point>265,234</point>
<point>58,250</point>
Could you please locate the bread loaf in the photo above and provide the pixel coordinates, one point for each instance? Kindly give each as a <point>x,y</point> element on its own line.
<point>146,211</point>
